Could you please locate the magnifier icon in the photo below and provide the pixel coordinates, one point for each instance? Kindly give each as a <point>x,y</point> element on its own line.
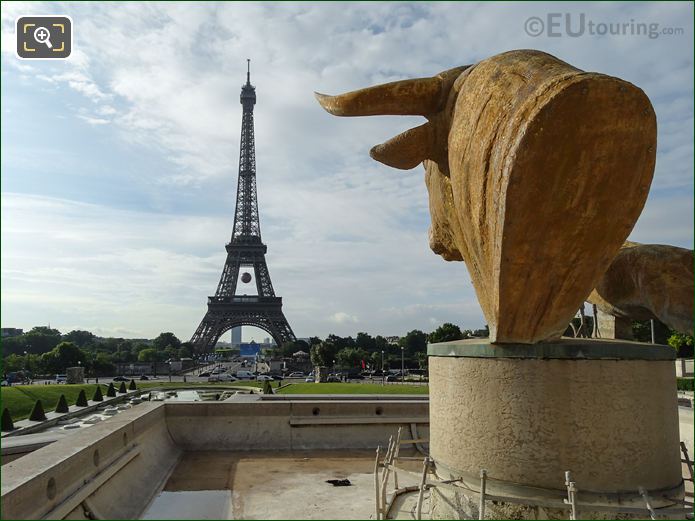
<point>43,35</point>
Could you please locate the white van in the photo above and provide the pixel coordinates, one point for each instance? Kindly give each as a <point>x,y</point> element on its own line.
<point>245,375</point>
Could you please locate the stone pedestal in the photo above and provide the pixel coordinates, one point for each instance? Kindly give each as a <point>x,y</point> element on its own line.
<point>74,375</point>
<point>604,410</point>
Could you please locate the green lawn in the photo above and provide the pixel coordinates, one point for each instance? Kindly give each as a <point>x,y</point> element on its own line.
<point>199,385</point>
<point>20,399</point>
<point>353,388</point>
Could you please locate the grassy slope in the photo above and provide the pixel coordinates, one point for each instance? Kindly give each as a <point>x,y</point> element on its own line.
<point>20,399</point>
<point>353,388</point>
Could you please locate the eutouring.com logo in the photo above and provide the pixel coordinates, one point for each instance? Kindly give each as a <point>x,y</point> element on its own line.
<point>558,25</point>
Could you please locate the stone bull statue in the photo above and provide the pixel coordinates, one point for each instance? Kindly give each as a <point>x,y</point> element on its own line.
<point>649,281</point>
<point>525,158</point>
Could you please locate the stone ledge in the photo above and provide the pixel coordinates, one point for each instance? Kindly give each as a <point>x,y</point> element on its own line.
<point>565,348</point>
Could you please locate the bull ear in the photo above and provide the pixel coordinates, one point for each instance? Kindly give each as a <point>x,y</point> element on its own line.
<point>406,150</point>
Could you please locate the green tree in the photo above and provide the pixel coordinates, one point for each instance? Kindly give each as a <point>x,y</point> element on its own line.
<point>414,342</point>
<point>103,365</point>
<point>683,344</point>
<point>289,348</point>
<point>446,333</point>
<point>185,351</point>
<point>12,363</point>
<point>147,355</point>
<point>351,357</point>
<point>79,337</point>
<point>165,340</point>
<point>365,341</point>
<point>62,356</point>
<point>323,354</point>
<point>41,339</point>
<point>422,360</point>
<point>14,345</point>
<point>381,344</point>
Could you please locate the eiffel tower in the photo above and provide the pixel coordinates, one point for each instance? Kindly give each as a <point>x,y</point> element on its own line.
<point>245,251</point>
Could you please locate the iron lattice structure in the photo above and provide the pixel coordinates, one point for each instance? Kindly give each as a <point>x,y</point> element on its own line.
<point>226,309</point>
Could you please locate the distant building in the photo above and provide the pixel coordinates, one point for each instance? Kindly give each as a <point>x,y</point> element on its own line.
<point>250,350</point>
<point>236,336</point>
<point>10,331</point>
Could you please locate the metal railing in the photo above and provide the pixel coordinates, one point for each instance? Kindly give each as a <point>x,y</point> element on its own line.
<point>387,463</point>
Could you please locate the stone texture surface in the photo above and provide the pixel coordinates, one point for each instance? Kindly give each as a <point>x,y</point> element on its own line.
<point>649,281</point>
<point>75,375</point>
<point>524,155</point>
<point>613,423</point>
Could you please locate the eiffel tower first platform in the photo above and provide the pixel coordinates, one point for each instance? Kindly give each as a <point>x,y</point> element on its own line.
<point>245,252</point>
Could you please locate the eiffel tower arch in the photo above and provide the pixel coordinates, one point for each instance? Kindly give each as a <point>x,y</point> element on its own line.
<point>245,253</point>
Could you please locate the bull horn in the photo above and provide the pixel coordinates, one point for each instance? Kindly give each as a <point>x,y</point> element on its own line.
<point>416,97</point>
<point>406,150</point>
<point>419,96</point>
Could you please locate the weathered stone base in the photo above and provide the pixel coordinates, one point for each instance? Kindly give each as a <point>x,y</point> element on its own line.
<point>604,410</point>
<point>450,504</point>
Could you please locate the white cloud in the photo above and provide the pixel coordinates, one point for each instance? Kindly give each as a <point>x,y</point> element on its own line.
<point>342,318</point>
<point>343,232</point>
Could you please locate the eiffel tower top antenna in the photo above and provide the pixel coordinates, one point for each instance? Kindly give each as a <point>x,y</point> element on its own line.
<point>248,71</point>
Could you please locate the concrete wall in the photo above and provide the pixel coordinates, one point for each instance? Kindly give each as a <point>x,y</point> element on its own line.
<point>114,469</point>
<point>55,480</point>
<point>290,425</point>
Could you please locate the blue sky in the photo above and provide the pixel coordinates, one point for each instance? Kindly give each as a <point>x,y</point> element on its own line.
<point>119,165</point>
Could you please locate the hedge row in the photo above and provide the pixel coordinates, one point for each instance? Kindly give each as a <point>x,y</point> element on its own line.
<point>685,384</point>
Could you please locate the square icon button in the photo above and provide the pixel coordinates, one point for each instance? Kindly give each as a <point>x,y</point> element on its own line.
<point>44,37</point>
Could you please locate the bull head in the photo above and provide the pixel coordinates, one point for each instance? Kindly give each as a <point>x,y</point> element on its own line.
<point>524,156</point>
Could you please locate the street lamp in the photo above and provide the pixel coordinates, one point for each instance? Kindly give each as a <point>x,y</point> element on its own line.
<point>382,367</point>
<point>402,364</point>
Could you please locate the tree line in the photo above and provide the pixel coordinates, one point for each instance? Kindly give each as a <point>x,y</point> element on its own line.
<point>366,351</point>
<point>44,350</point>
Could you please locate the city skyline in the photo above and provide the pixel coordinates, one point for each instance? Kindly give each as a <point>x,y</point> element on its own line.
<point>119,165</point>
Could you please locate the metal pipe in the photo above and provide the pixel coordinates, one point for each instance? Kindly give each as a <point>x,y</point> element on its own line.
<point>645,496</point>
<point>571,494</point>
<point>481,505</point>
<point>376,484</point>
<point>421,494</point>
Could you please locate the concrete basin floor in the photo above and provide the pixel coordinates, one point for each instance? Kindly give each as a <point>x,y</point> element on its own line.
<point>269,485</point>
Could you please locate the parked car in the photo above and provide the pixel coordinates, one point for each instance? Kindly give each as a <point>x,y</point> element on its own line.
<point>61,379</point>
<point>204,374</point>
<point>264,378</point>
<point>277,377</point>
<point>144,377</point>
<point>224,377</point>
<point>333,378</point>
<point>393,378</point>
<point>296,374</point>
<point>244,375</point>
<point>309,379</point>
<point>120,379</point>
